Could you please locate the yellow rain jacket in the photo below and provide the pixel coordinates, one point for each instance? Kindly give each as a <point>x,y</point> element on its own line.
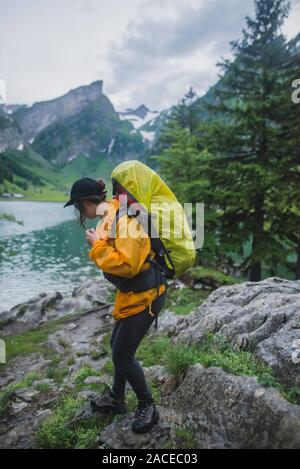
<point>125,256</point>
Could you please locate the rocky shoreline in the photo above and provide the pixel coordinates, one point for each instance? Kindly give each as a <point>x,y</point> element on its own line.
<point>208,396</point>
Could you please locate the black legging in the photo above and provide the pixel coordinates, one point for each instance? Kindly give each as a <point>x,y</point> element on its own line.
<point>125,339</point>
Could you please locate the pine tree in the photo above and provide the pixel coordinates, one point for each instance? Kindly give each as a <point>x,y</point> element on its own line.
<point>285,212</point>
<point>186,167</point>
<point>246,139</point>
<point>184,115</point>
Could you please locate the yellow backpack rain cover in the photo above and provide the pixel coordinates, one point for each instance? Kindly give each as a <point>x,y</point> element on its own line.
<point>167,214</point>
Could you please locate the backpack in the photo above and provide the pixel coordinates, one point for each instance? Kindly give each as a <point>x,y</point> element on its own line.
<point>166,222</point>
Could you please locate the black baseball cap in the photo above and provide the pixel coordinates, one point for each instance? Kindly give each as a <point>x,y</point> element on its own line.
<point>84,187</point>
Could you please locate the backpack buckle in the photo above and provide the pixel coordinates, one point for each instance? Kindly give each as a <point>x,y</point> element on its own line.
<point>150,310</point>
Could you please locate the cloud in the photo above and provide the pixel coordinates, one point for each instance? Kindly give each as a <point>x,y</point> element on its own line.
<point>166,51</point>
<point>146,51</point>
<point>175,45</point>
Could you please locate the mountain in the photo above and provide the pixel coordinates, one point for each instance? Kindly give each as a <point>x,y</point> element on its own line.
<point>83,121</point>
<point>152,128</point>
<point>155,126</point>
<point>51,143</point>
<point>27,122</point>
<point>140,117</point>
<point>79,133</point>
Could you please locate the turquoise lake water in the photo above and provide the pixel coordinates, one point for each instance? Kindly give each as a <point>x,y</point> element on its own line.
<point>48,253</point>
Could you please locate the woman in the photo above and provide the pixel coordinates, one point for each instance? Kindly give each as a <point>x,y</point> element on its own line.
<point>127,260</point>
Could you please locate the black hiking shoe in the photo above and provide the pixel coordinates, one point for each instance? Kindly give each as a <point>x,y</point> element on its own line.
<point>146,416</point>
<point>108,402</point>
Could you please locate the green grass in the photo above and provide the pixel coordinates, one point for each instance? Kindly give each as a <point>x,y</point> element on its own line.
<point>108,368</point>
<point>42,387</point>
<point>70,361</point>
<point>5,398</point>
<point>199,272</point>
<point>216,351</point>
<point>45,194</point>
<point>6,394</point>
<point>184,300</point>
<point>184,439</point>
<point>56,373</point>
<point>61,431</point>
<point>152,349</point>
<point>290,394</point>
<point>29,342</point>
<point>34,193</point>
<point>32,341</point>
<point>96,354</point>
<point>84,372</point>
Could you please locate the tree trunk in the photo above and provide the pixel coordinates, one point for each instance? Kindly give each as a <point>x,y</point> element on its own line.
<point>255,269</point>
<point>255,272</point>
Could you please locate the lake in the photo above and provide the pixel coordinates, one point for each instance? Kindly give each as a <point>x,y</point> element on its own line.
<point>48,253</point>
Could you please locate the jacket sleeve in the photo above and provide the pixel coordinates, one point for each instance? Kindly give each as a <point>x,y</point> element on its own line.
<point>126,255</point>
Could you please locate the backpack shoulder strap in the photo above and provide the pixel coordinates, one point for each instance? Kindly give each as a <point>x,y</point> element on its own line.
<point>156,243</point>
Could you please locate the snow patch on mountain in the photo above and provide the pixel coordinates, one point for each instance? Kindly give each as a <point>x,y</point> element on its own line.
<point>138,118</point>
<point>148,135</point>
<point>110,146</point>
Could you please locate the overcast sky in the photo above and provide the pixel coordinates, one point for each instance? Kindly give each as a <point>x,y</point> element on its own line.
<point>145,51</point>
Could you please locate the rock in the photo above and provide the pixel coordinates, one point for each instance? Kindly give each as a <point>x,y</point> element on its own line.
<point>46,382</point>
<point>118,435</point>
<point>94,291</point>
<point>17,369</point>
<point>23,128</point>
<point>84,413</point>
<point>72,326</point>
<point>86,395</point>
<point>167,322</point>
<point>234,410</point>
<point>84,361</point>
<point>54,343</point>
<point>93,380</point>
<point>100,338</point>
<point>40,416</point>
<point>17,407</point>
<point>26,394</point>
<point>263,317</point>
<point>214,408</point>
<point>157,374</point>
<point>51,306</point>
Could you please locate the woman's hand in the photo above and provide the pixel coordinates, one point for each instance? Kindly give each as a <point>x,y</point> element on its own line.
<point>91,235</point>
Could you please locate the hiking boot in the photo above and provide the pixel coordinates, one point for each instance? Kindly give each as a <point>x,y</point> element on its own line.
<point>146,416</point>
<point>108,402</point>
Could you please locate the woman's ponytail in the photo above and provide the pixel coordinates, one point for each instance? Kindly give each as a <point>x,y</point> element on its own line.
<point>102,191</point>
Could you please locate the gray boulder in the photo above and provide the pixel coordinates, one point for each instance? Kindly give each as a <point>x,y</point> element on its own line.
<point>118,434</point>
<point>263,317</point>
<point>51,306</point>
<point>228,411</point>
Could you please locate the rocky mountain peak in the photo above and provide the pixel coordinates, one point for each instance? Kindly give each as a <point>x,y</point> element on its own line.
<point>45,113</point>
<point>23,122</point>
